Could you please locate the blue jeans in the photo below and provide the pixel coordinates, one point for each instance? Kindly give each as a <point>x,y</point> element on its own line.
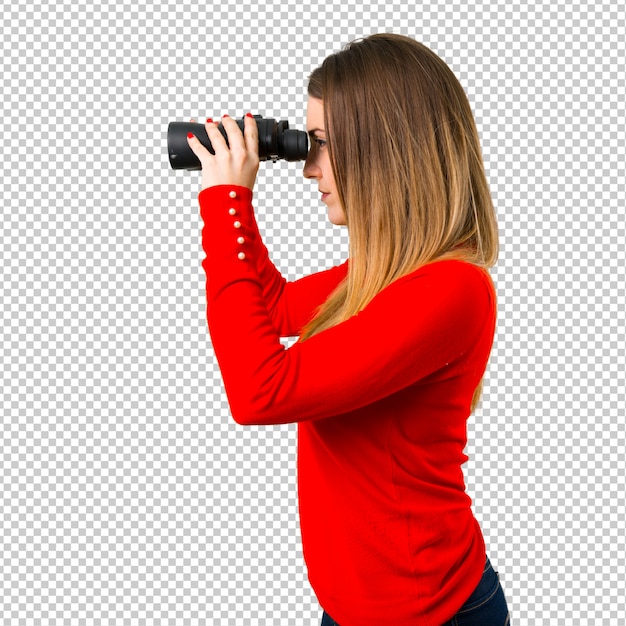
<point>485,607</point>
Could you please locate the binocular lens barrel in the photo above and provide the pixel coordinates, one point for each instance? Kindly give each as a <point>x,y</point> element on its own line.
<point>276,141</point>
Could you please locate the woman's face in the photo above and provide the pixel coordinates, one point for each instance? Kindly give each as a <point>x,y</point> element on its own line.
<point>317,165</point>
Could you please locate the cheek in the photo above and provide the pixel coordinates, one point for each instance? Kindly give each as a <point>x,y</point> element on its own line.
<point>328,171</point>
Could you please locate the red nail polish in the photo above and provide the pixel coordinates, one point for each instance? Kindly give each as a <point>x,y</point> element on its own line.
<point>209,120</point>
<point>249,115</point>
<point>189,135</point>
<point>225,115</point>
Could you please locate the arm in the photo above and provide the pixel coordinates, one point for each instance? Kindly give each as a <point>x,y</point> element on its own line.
<point>291,305</point>
<point>417,326</point>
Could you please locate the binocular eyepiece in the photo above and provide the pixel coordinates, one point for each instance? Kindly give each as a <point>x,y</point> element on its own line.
<point>276,141</point>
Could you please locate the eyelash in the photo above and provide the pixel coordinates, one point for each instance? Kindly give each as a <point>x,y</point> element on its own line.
<point>320,142</point>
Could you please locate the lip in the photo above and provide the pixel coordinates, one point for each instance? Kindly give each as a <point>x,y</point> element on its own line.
<point>325,195</point>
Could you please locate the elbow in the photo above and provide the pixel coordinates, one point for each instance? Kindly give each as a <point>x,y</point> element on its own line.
<point>243,418</point>
<point>260,403</point>
<point>252,414</point>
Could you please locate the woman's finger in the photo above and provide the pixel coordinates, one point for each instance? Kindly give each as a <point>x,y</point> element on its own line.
<point>233,132</point>
<point>197,148</point>
<point>251,134</point>
<point>218,142</point>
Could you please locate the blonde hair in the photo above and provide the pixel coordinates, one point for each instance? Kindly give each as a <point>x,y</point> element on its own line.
<point>407,163</point>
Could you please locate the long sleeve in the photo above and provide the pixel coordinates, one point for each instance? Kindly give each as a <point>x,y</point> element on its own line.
<point>419,325</point>
<point>290,305</point>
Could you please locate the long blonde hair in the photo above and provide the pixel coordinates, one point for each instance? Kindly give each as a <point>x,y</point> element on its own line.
<point>408,167</point>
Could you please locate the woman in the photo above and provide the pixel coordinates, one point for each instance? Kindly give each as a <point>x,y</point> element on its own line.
<point>393,344</point>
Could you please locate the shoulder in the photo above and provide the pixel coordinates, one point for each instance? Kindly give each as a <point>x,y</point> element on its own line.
<point>454,292</point>
<point>448,276</point>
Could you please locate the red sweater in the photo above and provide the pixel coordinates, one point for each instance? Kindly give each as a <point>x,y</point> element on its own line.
<point>381,402</point>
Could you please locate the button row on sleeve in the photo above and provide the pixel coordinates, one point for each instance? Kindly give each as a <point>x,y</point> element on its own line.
<point>237,224</point>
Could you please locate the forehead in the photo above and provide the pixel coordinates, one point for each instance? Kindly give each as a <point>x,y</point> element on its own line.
<point>315,114</point>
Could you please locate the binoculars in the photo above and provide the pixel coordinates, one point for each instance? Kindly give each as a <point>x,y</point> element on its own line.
<point>276,141</point>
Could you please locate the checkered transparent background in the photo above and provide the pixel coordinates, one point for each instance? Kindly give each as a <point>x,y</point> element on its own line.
<point>127,494</point>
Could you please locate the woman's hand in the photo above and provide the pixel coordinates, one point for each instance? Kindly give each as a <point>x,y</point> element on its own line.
<point>234,165</point>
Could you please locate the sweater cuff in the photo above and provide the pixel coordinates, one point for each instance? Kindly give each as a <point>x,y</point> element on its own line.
<point>228,236</point>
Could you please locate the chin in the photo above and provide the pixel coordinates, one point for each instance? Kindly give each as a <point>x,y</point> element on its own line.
<point>336,216</point>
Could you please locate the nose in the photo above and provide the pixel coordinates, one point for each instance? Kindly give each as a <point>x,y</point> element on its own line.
<point>311,168</point>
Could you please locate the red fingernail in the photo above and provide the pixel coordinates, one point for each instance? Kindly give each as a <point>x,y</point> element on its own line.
<point>209,120</point>
<point>189,135</point>
<point>249,115</point>
<point>225,115</point>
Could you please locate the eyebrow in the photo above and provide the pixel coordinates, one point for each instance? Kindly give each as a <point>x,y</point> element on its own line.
<point>316,130</point>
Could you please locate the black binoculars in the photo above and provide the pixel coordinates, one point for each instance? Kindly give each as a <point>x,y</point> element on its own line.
<point>276,141</point>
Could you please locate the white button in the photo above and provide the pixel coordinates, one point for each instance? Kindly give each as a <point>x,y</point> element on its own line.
<point>237,224</point>
<point>232,212</point>
<point>241,240</point>
<point>241,256</point>
<point>232,194</point>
